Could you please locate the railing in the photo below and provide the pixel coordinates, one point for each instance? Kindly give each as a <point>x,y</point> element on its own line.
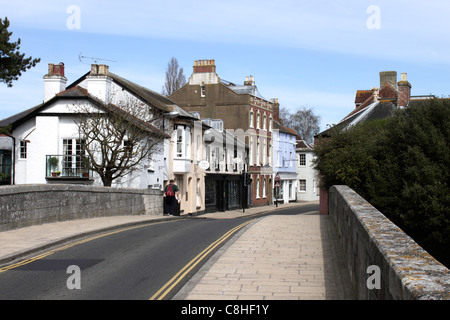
<point>67,166</point>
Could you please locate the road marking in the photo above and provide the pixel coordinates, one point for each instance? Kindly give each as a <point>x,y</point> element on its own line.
<point>67,246</point>
<point>161,293</point>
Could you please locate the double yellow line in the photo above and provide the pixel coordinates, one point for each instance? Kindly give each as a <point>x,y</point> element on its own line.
<point>46,254</point>
<point>161,293</point>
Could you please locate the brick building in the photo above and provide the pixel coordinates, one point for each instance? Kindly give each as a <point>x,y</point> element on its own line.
<point>243,110</point>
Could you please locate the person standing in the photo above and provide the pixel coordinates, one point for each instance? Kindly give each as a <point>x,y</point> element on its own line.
<point>171,197</point>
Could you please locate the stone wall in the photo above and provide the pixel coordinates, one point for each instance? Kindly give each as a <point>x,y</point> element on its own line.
<point>26,205</point>
<point>375,247</point>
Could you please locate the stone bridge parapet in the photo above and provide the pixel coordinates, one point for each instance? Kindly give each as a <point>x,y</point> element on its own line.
<point>26,205</point>
<point>383,261</point>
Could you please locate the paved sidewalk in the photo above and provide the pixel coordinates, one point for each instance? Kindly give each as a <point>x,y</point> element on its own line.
<point>290,257</point>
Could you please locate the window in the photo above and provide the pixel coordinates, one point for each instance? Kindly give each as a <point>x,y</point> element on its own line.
<point>183,137</point>
<point>128,148</point>
<point>180,142</point>
<point>250,152</point>
<point>208,156</point>
<point>258,120</point>
<point>203,91</point>
<point>265,122</point>
<point>270,153</point>
<point>264,187</point>
<point>258,146</point>
<point>74,153</point>
<point>199,200</point>
<point>264,153</point>
<point>270,123</point>
<point>302,159</point>
<point>251,119</point>
<point>23,149</point>
<point>302,185</point>
<point>257,188</point>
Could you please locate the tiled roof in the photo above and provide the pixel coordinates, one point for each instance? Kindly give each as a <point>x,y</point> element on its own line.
<point>363,95</point>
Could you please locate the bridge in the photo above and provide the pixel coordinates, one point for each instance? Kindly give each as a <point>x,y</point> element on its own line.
<point>379,259</point>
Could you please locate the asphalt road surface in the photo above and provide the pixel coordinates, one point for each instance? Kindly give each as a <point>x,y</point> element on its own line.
<point>146,262</point>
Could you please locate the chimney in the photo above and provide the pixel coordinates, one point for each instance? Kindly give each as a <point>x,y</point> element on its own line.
<point>55,81</point>
<point>276,109</point>
<point>404,91</point>
<point>98,82</point>
<point>204,73</point>
<point>249,82</point>
<point>388,76</point>
<point>204,66</point>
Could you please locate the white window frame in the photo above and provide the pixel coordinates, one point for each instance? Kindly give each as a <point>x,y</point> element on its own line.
<point>302,185</point>
<point>302,159</point>
<point>23,150</point>
<point>257,188</point>
<point>264,187</point>
<point>182,139</point>
<point>258,120</point>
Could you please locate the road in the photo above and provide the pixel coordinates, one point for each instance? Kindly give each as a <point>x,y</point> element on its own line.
<point>147,262</point>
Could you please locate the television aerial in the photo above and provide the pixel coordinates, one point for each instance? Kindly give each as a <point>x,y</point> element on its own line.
<point>95,60</point>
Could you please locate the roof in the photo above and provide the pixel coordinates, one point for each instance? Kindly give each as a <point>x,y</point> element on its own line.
<point>284,129</point>
<point>375,111</point>
<point>243,89</point>
<point>302,144</point>
<point>362,95</point>
<point>78,92</point>
<point>151,97</point>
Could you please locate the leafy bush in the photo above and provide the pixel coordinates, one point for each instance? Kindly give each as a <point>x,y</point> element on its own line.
<point>401,166</point>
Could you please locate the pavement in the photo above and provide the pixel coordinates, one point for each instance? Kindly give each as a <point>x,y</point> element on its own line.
<point>276,257</point>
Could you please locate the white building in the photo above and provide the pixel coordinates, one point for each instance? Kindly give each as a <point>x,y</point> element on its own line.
<point>308,181</point>
<point>284,142</point>
<point>44,145</point>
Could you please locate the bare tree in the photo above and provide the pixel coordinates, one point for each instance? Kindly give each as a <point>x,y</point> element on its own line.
<point>303,121</point>
<point>175,78</point>
<point>116,141</point>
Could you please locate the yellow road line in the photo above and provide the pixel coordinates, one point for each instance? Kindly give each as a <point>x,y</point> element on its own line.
<point>161,293</point>
<point>46,254</point>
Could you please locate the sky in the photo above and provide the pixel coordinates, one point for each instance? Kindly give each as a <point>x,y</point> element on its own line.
<point>313,54</point>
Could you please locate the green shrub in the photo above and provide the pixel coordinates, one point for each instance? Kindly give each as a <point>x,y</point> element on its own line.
<point>401,166</point>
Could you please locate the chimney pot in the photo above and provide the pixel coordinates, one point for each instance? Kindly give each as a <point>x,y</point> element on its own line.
<point>94,69</point>
<point>103,69</point>
<point>404,77</point>
<point>59,69</point>
<point>51,67</point>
